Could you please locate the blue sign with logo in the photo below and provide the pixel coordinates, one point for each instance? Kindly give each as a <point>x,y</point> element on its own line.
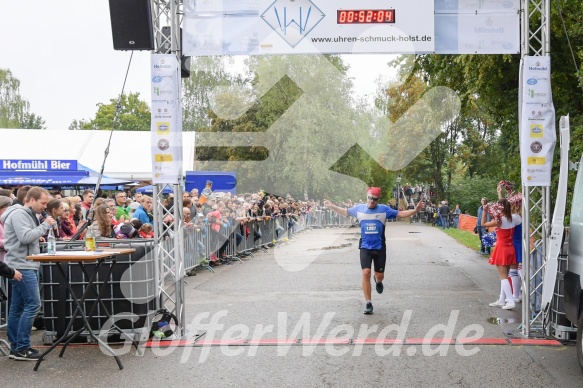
<point>38,165</point>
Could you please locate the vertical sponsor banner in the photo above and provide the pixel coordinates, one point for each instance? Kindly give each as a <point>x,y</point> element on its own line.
<point>537,122</point>
<point>166,120</point>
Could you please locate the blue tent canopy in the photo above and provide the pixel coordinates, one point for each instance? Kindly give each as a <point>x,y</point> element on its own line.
<point>54,178</point>
<point>42,178</point>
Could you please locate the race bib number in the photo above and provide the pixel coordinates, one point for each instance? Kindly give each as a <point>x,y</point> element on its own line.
<point>371,228</point>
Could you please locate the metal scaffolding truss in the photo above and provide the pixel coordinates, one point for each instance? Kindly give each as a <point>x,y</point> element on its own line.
<point>166,19</point>
<point>536,209</point>
<point>170,252</point>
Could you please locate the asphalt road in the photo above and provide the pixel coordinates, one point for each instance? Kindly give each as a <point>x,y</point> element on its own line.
<point>309,292</point>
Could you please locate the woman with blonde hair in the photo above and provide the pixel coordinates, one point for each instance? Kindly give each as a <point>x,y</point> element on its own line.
<point>68,227</point>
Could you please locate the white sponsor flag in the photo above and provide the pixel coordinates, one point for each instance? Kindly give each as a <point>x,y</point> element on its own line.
<point>537,122</point>
<point>166,127</point>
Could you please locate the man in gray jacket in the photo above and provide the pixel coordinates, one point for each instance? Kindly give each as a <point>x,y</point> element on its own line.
<point>22,231</point>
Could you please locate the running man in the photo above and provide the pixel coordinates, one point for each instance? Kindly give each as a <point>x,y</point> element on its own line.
<point>372,217</point>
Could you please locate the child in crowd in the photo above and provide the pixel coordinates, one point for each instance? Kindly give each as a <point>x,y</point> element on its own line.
<point>125,230</point>
<point>147,231</point>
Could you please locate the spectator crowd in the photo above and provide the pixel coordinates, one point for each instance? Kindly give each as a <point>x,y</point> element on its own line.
<point>218,220</point>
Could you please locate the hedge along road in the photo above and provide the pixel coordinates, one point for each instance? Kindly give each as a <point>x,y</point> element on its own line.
<point>295,315</point>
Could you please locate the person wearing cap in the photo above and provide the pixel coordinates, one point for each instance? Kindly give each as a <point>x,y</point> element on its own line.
<point>209,205</point>
<point>132,208</point>
<point>124,230</point>
<point>372,217</point>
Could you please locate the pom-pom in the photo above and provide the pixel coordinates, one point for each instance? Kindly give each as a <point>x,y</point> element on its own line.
<point>489,239</point>
<point>495,210</point>
<point>508,186</point>
<point>516,199</point>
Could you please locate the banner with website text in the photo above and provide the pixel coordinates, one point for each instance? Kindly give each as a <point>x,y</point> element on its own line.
<point>256,27</point>
<point>166,113</point>
<point>218,27</point>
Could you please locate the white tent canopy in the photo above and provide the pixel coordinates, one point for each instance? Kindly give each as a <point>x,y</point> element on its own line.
<point>130,155</point>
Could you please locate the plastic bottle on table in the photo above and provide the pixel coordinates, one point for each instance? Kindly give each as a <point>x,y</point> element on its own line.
<point>51,243</point>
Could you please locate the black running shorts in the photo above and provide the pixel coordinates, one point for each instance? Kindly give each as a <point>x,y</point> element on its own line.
<point>376,256</point>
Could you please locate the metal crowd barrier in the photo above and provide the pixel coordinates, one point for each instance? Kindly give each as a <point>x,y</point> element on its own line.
<point>130,296</point>
<point>203,244</point>
<point>327,218</point>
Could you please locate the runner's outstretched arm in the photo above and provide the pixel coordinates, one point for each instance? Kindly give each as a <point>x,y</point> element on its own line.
<point>340,210</point>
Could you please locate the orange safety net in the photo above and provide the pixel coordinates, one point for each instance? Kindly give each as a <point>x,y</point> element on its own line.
<point>467,222</point>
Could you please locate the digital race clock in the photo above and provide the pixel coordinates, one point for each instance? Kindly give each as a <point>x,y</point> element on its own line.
<point>365,16</point>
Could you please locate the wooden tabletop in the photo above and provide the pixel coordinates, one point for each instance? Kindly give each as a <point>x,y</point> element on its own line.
<point>77,256</point>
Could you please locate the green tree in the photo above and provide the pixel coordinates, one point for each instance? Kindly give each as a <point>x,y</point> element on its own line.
<point>133,115</point>
<point>305,122</point>
<point>14,110</point>
<point>32,121</point>
<point>77,125</point>
<point>207,76</point>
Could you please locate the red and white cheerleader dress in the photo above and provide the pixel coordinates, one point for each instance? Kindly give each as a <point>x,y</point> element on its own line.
<point>504,253</point>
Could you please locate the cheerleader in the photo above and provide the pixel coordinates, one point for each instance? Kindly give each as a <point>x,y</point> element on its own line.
<point>503,255</point>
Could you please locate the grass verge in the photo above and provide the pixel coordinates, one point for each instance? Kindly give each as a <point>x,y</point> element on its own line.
<point>464,237</point>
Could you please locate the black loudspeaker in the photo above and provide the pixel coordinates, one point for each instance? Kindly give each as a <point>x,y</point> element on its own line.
<point>131,24</point>
<point>185,67</point>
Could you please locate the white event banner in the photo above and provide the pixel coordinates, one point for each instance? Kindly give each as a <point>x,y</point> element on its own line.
<point>477,26</point>
<point>477,33</point>
<point>476,6</point>
<point>217,27</point>
<point>537,122</point>
<point>166,127</point>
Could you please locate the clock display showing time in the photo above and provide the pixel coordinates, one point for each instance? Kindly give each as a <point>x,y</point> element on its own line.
<point>365,16</point>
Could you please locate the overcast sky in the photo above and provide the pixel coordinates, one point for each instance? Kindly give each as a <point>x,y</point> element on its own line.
<point>62,53</point>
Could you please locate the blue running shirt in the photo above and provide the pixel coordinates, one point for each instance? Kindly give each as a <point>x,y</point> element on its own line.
<point>372,224</point>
